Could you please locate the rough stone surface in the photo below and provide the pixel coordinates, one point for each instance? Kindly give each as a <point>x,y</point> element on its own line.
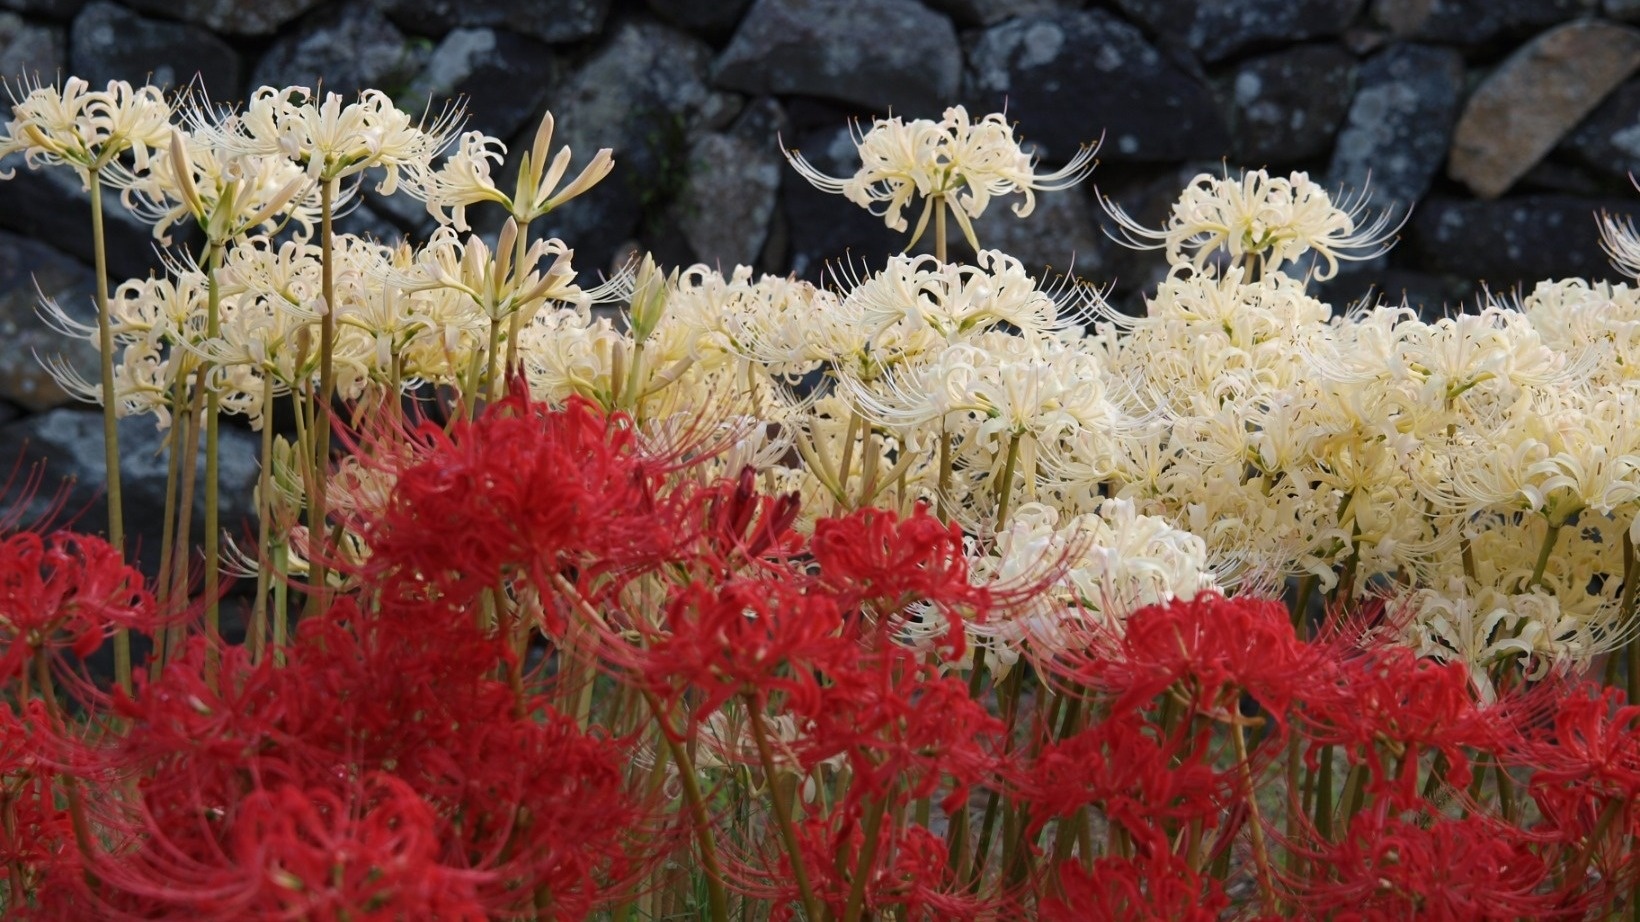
<point>1067,78</point>
<point>69,442</point>
<point>1399,123</point>
<point>1626,10</point>
<point>642,95</point>
<point>28,271</point>
<point>1515,242</point>
<point>820,48</point>
<point>60,10</point>
<point>725,206</point>
<point>1474,22</point>
<point>51,206</point>
<point>30,50</point>
<point>1535,97</point>
<point>1217,31</point>
<point>502,78</point>
<point>823,229</point>
<point>1058,236</point>
<point>991,12</point>
<point>550,21</point>
<point>230,17</point>
<point>352,47</point>
<point>109,42</point>
<point>1287,106</point>
<point>709,17</point>
<point>1608,141</point>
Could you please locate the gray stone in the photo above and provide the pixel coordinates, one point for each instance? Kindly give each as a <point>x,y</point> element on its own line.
<point>1535,97</point>
<point>28,272</point>
<point>991,12</point>
<point>1626,10</point>
<point>822,48</point>
<point>704,17</point>
<point>69,443</point>
<point>1066,78</point>
<point>60,10</point>
<point>501,77</point>
<point>643,94</point>
<point>109,42</point>
<point>824,230</point>
<point>1217,31</point>
<point>1515,242</point>
<point>551,21</point>
<point>51,205</point>
<point>1608,141</point>
<point>1474,22</point>
<point>724,208</point>
<point>1287,106</point>
<point>229,17</point>
<point>1057,237</point>
<point>1399,123</point>
<point>30,50</point>
<point>351,47</point>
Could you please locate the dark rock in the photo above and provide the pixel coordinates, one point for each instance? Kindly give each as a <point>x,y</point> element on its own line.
<point>28,272</point>
<point>229,17</point>
<point>51,205</point>
<point>1608,141</point>
<point>1399,123</point>
<point>1516,242</point>
<point>551,21</point>
<point>711,18</point>
<point>1432,296</point>
<point>991,12</point>
<point>351,47</point>
<point>824,229</point>
<point>109,42</point>
<point>1216,31</point>
<point>1474,22</point>
<point>643,94</point>
<point>729,197</point>
<point>1523,109</point>
<point>30,50</point>
<point>1058,236</point>
<point>1067,78</point>
<point>502,78</point>
<point>1626,10</point>
<point>1288,105</point>
<point>821,48</point>
<point>60,10</point>
<point>69,443</point>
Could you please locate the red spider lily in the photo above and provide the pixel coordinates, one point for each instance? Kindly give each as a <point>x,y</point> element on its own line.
<point>729,524</point>
<point>1390,695</point>
<point>744,635</point>
<point>1390,866</point>
<point>523,489</point>
<point>1210,648</point>
<point>65,594</point>
<point>908,870</point>
<point>888,564</point>
<point>1593,744</point>
<point>1145,780</point>
<point>1155,888</point>
<point>902,726</point>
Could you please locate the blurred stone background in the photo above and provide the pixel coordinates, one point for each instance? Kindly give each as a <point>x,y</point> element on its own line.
<point>1505,126</point>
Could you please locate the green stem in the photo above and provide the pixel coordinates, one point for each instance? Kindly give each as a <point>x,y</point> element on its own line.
<point>863,866</point>
<point>1255,820</point>
<point>782,809</point>
<point>1005,485</point>
<point>213,524</point>
<point>318,503</point>
<point>719,902</point>
<point>1544,551</point>
<point>939,230</point>
<point>264,527</point>
<point>110,402</point>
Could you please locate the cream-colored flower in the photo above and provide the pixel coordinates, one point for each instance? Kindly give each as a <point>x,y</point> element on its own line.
<point>954,163</point>
<point>1274,219</point>
<point>86,130</point>
<point>464,178</point>
<point>1622,243</point>
<point>333,141</point>
<point>497,288</point>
